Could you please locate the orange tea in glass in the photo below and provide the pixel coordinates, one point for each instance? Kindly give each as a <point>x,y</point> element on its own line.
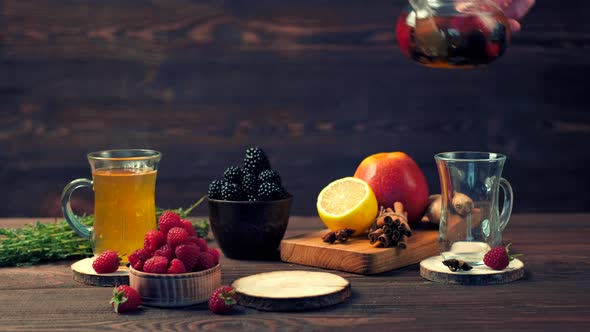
<point>124,183</point>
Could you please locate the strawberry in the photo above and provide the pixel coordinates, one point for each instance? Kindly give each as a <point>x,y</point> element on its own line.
<point>168,220</point>
<point>498,258</point>
<point>139,255</point>
<point>188,227</point>
<point>165,251</point>
<point>205,261</point>
<point>156,264</point>
<point>188,253</point>
<point>176,266</point>
<point>125,299</point>
<point>215,253</point>
<point>154,239</point>
<point>106,262</point>
<point>222,300</point>
<point>176,236</point>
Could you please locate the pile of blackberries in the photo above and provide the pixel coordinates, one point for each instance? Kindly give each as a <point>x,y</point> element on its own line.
<point>255,181</point>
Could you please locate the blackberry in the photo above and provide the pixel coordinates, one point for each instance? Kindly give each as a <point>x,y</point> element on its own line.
<point>215,189</point>
<point>270,175</point>
<point>255,161</point>
<point>252,197</point>
<point>230,191</point>
<point>269,191</point>
<point>233,174</point>
<point>250,184</point>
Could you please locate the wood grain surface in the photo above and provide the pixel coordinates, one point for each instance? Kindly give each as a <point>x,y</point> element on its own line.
<point>357,255</point>
<point>319,85</point>
<point>552,296</point>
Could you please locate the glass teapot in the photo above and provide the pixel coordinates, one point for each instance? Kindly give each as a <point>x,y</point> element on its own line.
<point>453,33</point>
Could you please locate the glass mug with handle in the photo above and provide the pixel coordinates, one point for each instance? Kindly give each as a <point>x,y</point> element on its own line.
<point>471,223</point>
<point>124,183</point>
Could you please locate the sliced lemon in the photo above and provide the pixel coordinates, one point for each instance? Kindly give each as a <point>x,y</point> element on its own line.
<point>347,203</point>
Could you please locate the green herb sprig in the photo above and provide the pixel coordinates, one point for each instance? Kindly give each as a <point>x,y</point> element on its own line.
<point>46,242</point>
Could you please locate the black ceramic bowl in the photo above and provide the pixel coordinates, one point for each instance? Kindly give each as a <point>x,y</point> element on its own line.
<point>249,230</point>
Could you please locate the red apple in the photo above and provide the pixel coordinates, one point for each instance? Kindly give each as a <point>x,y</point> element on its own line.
<point>395,177</point>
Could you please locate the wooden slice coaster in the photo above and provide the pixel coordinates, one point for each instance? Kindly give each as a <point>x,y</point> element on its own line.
<point>291,290</point>
<point>84,273</point>
<point>433,269</point>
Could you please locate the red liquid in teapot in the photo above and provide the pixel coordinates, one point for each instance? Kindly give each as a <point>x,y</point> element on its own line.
<point>460,41</point>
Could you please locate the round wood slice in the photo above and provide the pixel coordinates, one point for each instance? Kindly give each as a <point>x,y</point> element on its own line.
<point>291,290</point>
<point>433,269</point>
<point>84,273</point>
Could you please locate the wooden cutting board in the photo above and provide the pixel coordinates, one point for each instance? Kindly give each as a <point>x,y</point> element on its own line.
<point>357,255</point>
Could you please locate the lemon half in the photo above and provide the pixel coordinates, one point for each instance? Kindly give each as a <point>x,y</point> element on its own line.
<point>348,203</point>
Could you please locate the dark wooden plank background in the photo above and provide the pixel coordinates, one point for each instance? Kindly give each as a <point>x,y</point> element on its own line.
<point>318,84</point>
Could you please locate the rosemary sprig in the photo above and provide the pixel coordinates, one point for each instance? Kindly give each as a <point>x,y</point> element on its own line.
<point>45,242</point>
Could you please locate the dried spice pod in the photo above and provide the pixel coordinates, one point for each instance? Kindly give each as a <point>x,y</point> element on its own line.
<point>390,228</point>
<point>341,235</point>
<point>457,265</point>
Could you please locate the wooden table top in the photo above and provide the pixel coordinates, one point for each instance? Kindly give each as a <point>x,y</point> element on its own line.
<point>553,295</point>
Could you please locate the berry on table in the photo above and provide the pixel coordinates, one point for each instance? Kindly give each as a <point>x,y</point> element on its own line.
<point>106,262</point>
<point>498,258</point>
<point>222,300</point>
<point>125,299</point>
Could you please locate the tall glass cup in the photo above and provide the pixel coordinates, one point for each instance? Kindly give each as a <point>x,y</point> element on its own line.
<point>471,223</point>
<point>124,183</point>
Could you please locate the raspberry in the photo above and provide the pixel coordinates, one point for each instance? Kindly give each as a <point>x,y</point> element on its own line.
<point>188,227</point>
<point>156,264</point>
<point>176,236</point>
<point>202,243</point>
<point>215,253</point>
<point>233,174</point>
<point>106,262</point>
<point>125,299</point>
<point>168,220</point>
<point>205,261</point>
<point>154,239</point>
<point>215,189</point>
<point>139,255</point>
<point>222,300</point>
<point>255,161</point>
<point>230,192</point>
<point>270,176</point>
<point>188,254</point>
<point>176,266</point>
<point>498,258</point>
<point>165,251</point>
